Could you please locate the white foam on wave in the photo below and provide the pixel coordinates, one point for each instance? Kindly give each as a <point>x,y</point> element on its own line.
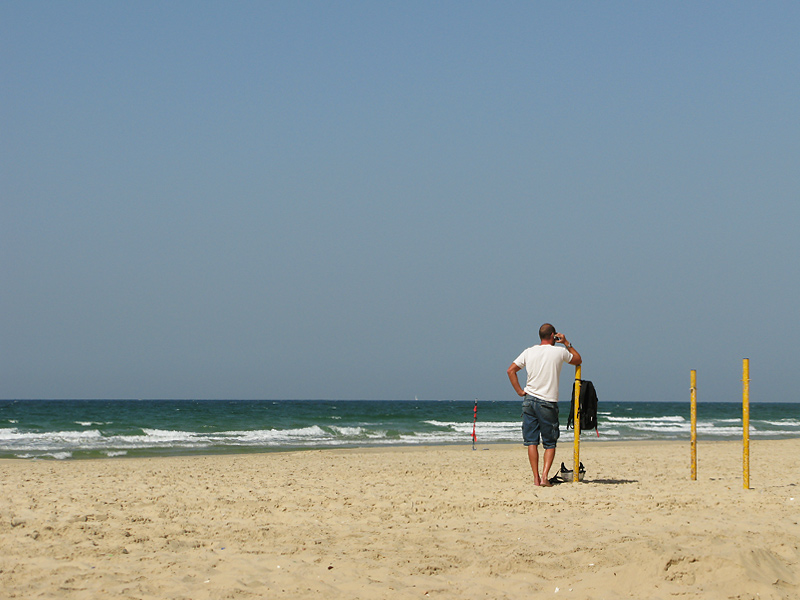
<point>157,438</point>
<point>168,434</point>
<point>312,431</point>
<point>439,423</point>
<point>459,432</point>
<point>431,437</point>
<point>14,439</point>
<point>782,423</point>
<point>706,429</point>
<point>658,428</point>
<point>349,431</point>
<point>358,433</point>
<point>9,434</point>
<point>670,419</point>
<point>77,436</point>
<point>610,432</point>
<point>162,438</point>
<point>499,429</point>
<point>279,436</point>
<point>56,455</point>
<point>775,432</point>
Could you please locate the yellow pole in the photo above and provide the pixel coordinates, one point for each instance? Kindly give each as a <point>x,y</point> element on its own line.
<point>746,421</point>
<point>693,383</point>
<point>576,419</point>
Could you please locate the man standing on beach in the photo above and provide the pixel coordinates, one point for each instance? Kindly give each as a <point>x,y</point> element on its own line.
<point>540,396</point>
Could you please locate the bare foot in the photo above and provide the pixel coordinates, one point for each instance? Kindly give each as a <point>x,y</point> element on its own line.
<point>537,481</point>
<point>546,483</point>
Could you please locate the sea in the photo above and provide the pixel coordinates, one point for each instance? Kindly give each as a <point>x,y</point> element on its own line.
<point>115,429</point>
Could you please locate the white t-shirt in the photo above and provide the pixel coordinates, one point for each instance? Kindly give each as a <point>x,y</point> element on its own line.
<point>543,364</point>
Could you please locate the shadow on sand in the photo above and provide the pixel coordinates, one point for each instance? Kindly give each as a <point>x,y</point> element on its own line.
<point>611,481</point>
<point>557,481</point>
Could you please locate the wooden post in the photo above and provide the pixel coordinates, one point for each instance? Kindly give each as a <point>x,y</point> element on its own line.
<point>746,422</point>
<point>693,388</point>
<point>577,423</point>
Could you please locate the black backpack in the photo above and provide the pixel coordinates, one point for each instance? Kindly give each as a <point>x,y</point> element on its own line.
<point>587,407</point>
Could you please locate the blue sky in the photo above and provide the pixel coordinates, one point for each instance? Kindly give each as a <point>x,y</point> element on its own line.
<point>386,199</point>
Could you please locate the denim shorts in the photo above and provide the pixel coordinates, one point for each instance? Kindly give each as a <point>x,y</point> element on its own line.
<point>539,417</point>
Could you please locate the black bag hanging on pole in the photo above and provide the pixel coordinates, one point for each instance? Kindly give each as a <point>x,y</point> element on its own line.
<point>587,407</point>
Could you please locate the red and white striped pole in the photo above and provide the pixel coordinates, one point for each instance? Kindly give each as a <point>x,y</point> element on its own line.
<point>474,420</point>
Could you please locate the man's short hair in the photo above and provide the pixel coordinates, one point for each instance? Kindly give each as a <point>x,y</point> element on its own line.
<point>545,331</point>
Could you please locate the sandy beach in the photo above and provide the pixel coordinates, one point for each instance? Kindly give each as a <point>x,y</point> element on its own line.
<point>432,522</point>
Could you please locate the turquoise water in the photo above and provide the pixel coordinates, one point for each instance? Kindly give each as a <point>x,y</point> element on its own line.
<point>65,429</point>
